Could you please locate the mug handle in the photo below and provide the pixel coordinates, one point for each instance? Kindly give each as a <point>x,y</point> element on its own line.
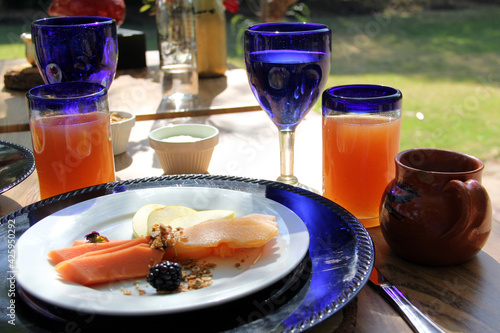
<point>475,202</point>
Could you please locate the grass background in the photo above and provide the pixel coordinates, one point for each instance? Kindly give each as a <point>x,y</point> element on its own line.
<point>446,63</point>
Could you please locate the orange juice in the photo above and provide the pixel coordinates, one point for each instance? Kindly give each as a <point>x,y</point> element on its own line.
<point>358,162</point>
<point>72,152</point>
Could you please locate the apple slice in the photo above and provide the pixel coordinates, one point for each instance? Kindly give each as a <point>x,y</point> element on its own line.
<point>140,219</point>
<point>166,214</point>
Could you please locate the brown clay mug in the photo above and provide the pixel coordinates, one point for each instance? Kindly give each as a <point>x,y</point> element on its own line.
<point>436,212</point>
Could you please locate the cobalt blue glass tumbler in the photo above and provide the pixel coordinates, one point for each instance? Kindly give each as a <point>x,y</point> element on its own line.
<point>361,135</point>
<point>78,48</point>
<point>71,136</point>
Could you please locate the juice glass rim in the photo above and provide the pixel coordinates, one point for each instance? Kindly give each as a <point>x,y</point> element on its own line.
<point>73,21</point>
<point>60,91</point>
<point>392,92</point>
<point>361,98</point>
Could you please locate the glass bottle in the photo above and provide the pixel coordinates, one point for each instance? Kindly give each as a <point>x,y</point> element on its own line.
<point>177,45</point>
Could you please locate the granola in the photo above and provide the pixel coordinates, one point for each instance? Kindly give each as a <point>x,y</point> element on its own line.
<point>197,275</point>
<point>115,117</point>
<point>164,237</point>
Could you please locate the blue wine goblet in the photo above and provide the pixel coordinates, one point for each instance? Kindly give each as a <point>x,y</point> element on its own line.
<point>287,66</point>
<point>76,48</point>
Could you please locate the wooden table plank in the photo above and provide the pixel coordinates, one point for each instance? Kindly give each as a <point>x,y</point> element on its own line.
<point>139,91</point>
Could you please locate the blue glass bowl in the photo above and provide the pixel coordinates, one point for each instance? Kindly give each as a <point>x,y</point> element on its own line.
<point>80,48</point>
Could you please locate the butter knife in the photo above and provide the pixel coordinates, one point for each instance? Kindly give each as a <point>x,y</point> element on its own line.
<point>419,322</point>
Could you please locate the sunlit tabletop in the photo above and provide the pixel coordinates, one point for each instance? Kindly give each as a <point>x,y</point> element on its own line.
<point>139,91</point>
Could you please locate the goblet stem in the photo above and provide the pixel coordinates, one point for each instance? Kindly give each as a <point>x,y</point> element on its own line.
<point>287,140</point>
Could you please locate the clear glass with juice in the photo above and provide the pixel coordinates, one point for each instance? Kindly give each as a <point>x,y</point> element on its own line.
<point>361,135</point>
<point>71,136</point>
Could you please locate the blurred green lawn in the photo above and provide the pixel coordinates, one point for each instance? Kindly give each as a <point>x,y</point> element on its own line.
<point>446,63</point>
<point>11,45</point>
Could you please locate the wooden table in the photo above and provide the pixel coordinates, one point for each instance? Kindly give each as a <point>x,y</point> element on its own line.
<point>464,298</point>
<point>139,91</point>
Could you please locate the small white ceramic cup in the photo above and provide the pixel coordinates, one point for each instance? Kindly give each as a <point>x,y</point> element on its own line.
<point>120,131</point>
<point>184,148</point>
<point>30,51</point>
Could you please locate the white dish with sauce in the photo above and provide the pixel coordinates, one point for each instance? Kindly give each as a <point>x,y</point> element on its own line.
<point>184,148</point>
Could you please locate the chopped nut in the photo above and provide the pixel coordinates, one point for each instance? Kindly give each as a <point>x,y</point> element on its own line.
<point>196,275</point>
<point>164,237</point>
<point>139,289</point>
<point>126,291</point>
<point>196,283</point>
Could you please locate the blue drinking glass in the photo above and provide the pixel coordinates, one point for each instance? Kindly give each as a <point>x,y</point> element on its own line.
<point>76,48</point>
<point>361,136</point>
<point>71,136</point>
<point>287,66</point>
<point>362,99</point>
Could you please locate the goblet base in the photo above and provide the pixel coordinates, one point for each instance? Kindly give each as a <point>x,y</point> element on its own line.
<point>292,180</point>
<point>308,188</point>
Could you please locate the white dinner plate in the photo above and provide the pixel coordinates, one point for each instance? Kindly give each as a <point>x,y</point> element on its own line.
<point>112,217</point>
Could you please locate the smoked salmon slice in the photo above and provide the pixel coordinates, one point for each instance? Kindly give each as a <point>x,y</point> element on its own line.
<point>222,236</point>
<point>187,253</point>
<point>63,254</point>
<point>130,262</point>
<point>247,231</point>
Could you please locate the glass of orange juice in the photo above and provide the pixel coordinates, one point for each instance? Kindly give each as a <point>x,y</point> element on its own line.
<point>361,134</point>
<point>71,136</point>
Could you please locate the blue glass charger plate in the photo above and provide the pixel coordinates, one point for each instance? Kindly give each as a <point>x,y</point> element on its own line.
<point>16,164</point>
<point>337,266</point>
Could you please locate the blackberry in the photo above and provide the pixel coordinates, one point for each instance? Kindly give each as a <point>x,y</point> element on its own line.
<point>165,276</point>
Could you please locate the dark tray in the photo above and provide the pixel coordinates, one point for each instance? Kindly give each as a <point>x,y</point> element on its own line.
<point>338,264</point>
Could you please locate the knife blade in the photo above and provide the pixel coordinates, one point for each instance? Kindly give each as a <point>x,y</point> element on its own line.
<point>419,322</point>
